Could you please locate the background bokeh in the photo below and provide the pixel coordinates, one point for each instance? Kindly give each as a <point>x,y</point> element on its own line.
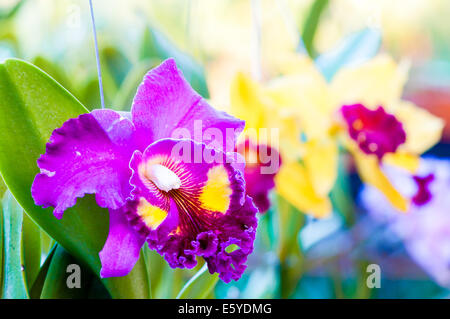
<point>325,258</point>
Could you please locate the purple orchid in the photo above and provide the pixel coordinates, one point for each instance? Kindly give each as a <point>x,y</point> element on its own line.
<point>145,167</point>
<point>259,183</point>
<point>425,229</point>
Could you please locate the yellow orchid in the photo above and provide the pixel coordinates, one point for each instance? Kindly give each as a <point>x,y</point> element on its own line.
<point>302,103</point>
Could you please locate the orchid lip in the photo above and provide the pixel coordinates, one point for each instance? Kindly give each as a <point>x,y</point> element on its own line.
<point>162,177</point>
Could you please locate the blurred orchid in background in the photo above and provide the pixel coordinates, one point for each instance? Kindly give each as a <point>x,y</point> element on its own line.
<point>425,229</point>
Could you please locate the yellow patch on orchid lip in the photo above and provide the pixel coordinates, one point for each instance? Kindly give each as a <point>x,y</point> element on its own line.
<point>294,185</point>
<point>370,172</point>
<point>152,215</point>
<point>215,195</point>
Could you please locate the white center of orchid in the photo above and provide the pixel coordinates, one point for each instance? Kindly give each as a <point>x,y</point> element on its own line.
<point>163,177</point>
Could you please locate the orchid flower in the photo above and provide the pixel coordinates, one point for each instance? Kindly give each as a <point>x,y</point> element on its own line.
<point>361,109</point>
<point>425,231</point>
<point>166,171</point>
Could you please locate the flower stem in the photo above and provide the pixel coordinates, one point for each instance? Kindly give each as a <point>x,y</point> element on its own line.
<point>97,57</point>
<point>192,280</point>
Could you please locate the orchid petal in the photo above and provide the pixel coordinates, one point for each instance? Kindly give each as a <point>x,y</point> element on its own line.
<point>121,250</point>
<point>423,130</point>
<point>166,102</point>
<point>193,206</point>
<point>371,173</point>
<point>294,185</point>
<point>321,160</point>
<point>306,97</point>
<point>88,154</point>
<point>379,81</point>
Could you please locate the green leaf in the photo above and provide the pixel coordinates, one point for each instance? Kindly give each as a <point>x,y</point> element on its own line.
<point>47,244</point>
<point>156,45</point>
<point>311,24</point>
<point>339,195</point>
<point>36,290</point>
<point>200,285</point>
<point>55,285</point>
<point>165,281</point>
<point>14,283</point>
<point>1,243</point>
<point>31,246</point>
<point>55,71</point>
<point>32,105</point>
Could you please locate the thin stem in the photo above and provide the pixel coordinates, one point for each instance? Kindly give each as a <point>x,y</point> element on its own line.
<point>257,60</point>
<point>193,279</point>
<point>97,57</point>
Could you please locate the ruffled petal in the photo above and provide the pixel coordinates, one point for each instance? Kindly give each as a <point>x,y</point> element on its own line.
<point>165,106</point>
<point>374,131</point>
<point>121,250</point>
<point>88,154</point>
<point>188,204</point>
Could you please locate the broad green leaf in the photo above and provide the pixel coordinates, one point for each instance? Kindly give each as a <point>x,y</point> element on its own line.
<point>36,290</point>
<point>1,238</point>
<point>14,282</point>
<point>31,246</point>
<point>56,286</point>
<point>32,105</point>
<point>55,71</point>
<point>311,24</point>
<point>156,45</point>
<point>89,94</point>
<point>200,285</point>
<point>356,48</point>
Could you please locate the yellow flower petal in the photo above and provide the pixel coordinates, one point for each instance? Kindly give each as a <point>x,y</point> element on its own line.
<point>247,101</point>
<point>423,129</point>
<point>370,172</point>
<point>294,185</point>
<point>321,160</point>
<point>379,81</point>
<point>403,160</point>
<point>306,97</point>
<point>264,122</point>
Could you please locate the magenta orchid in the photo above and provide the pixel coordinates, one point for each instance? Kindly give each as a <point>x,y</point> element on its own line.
<point>144,167</point>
